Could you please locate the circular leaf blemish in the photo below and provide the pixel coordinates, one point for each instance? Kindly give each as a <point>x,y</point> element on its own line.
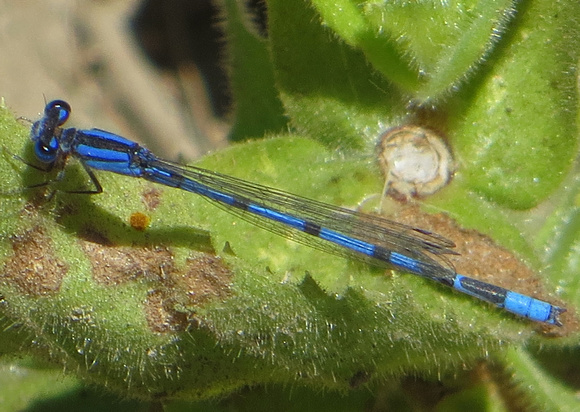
<point>117,265</point>
<point>33,268</point>
<point>415,161</point>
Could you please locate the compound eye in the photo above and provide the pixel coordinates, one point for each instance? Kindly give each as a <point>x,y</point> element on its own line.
<point>46,153</point>
<point>59,109</point>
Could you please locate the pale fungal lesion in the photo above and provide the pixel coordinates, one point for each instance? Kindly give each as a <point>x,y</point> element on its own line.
<point>116,265</point>
<point>34,268</point>
<point>415,160</point>
<point>175,290</point>
<point>171,306</point>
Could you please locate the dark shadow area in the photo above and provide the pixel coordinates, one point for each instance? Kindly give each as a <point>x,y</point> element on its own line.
<point>179,33</point>
<point>88,400</point>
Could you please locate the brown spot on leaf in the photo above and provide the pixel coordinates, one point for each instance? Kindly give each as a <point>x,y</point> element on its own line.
<point>169,307</point>
<point>151,198</point>
<point>93,236</point>
<point>114,265</point>
<point>34,269</point>
<point>162,316</point>
<point>206,278</point>
<point>481,258</point>
<point>478,255</point>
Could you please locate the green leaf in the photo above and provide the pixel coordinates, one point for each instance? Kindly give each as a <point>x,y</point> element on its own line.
<point>426,48</point>
<point>201,303</point>
<point>543,391</point>
<point>257,108</point>
<point>515,130</point>
<point>278,308</point>
<point>329,91</point>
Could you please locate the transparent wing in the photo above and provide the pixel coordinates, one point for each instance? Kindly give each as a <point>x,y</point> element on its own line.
<point>427,248</point>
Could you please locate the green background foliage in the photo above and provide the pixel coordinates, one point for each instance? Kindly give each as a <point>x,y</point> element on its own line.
<point>280,325</point>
